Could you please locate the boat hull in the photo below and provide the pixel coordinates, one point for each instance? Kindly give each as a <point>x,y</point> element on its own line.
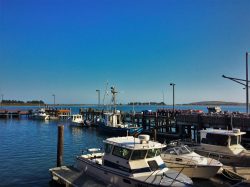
<point>242,160</point>
<point>116,178</point>
<point>119,131</point>
<point>195,171</point>
<point>37,117</point>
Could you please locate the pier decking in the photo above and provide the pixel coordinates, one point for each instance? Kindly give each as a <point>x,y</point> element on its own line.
<point>14,113</point>
<point>69,176</point>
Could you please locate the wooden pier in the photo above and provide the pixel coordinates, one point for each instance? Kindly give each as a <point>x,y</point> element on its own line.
<point>9,114</point>
<point>179,124</point>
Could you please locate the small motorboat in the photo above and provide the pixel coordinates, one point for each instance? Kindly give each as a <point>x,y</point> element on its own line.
<point>40,114</point>
<point>77,120</point>
<point>182,158</point>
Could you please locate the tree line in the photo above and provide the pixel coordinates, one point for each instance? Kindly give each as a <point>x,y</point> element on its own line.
<point>22,102</point>
<point>146,103</point>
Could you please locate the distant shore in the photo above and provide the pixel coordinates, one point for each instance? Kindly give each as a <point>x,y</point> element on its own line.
<point>188,104</point>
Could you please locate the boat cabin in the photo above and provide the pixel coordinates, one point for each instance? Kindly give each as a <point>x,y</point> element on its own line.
<point>77,118</point>
<point>133,155</point>
<point>214,109</point>
<point>220,137</point>
<point>112,119</point>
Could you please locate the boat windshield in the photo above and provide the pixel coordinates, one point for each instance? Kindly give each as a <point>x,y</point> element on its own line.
<point>182,150</point>
<point>107,148</point>
<point>215,139</point>
<point>178,150</point>
<point>153,152</point>
<point>122,152</point>
<point>138,154</point>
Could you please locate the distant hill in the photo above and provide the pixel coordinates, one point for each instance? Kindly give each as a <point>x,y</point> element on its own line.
<point>214,103</point>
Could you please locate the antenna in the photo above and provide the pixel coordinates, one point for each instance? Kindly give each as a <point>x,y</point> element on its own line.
<point>105,93</point>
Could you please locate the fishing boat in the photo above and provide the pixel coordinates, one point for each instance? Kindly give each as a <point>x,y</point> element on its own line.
<point>112,123</point>
<point>129,161</point>
<point>181,158</point>
<point>223,145</point>
<point>77,120</point>
<point>40,114</point>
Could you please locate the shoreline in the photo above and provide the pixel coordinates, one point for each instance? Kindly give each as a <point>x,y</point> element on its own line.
<point>58,105</point>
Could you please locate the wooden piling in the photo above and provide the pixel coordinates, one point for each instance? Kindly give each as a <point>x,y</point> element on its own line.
<point>60,145</point>
<point>155,134</point>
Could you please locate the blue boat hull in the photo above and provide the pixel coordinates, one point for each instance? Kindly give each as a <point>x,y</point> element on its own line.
<point>120,131</point>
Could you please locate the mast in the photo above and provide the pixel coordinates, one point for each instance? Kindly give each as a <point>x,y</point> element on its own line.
<point>113,92</point>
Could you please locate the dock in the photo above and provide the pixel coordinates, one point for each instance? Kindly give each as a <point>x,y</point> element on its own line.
<point>179,124</point>
<point>69,176</point>
<point>9,114</point>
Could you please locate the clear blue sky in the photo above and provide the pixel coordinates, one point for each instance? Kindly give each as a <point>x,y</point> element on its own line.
<point>71,48</point>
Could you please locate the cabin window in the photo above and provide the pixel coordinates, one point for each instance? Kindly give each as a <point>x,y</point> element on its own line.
<point>153,152</point>
<point>215,139</point>
<point>153,165</point>
<point>107,148</point>
<point>138,154</point>
<point>234,140</point>
<point>122,152</point>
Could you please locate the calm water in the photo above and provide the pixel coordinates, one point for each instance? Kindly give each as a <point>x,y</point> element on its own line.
<point>28,147</point>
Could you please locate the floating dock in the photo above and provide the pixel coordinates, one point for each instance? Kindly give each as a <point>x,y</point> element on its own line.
<point>69,176</point>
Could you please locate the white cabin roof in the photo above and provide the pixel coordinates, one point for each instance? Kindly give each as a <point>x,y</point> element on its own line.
<point>223,132</point>
<point>133,143</point>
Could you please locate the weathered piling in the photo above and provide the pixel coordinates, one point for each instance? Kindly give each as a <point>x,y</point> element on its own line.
<point>155,134</point>
<point>60,140</point>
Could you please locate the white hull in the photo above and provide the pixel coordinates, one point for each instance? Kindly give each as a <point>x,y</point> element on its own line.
<point>195,171</point>
<point>227,159</point>
<point>40,117</point>
<point>122,179</point>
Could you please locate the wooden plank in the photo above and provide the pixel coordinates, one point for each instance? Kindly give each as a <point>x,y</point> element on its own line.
<point>69,176</point>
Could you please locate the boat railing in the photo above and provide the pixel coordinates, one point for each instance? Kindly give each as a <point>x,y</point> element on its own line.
<point>164,175</point>
<point>214,155</point>
<point>91,150</point>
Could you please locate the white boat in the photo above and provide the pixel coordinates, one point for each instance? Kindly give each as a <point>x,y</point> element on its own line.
<point>214,109</point>
<point>112,124</point>
<point>129,161</point>
<point>77,120</point>
<point>182,158</point>
<point>223,145</point>
<point>40,114</point>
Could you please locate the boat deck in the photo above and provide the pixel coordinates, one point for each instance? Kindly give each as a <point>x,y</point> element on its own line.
<point>69,176</point>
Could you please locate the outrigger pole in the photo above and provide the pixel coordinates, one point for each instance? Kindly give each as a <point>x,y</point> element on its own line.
<point>242,82</point>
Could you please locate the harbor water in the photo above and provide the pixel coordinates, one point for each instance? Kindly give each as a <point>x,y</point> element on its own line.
<point>28,147</point>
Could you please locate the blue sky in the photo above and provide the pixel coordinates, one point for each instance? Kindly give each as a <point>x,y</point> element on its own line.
<point>71,48</point>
